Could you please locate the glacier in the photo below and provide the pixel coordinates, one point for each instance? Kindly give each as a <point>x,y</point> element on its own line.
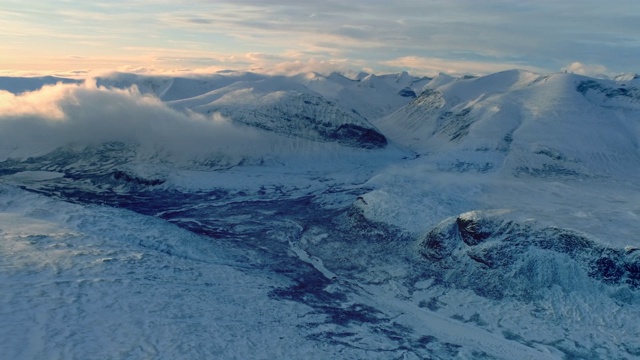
<point>243,215</point>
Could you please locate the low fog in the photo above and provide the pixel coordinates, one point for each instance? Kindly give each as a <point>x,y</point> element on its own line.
<point>35,123</point>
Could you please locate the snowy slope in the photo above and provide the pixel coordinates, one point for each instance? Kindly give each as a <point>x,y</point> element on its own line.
<point>95,282</point>
<point>285,107</point>
<point>176,88</point>
<point>524,123</point>
<point>370,95</point>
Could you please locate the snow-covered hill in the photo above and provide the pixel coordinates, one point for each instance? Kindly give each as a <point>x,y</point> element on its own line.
<point>242,215</point>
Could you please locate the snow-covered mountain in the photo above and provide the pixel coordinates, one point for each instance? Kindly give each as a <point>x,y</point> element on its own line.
<point>18,85</point>
<point>312,106</point>
<point>242,215</point>
<point>525,124</point>
<point>286,107</point>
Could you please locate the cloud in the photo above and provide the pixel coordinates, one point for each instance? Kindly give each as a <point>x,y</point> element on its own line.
<point>36,123</point>
<point>293,64</point>
<point>182,34</point>
<point>85,114</point>
<point>433,66</point>
<point>584,69</point>
<point>289,63</point>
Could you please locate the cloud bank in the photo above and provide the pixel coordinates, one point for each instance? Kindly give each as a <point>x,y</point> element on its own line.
<point>81,115</point>
<point>483,37</point>
<point>35,123</point>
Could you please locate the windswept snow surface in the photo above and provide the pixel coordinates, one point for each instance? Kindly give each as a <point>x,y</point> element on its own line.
<point>241,215</point>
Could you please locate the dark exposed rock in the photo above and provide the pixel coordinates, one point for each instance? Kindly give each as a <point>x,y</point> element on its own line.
<point>309,117</point>
<point>407,92</point>
<point>121,175</point>
<point>358,136</point>
<point>609,92</point>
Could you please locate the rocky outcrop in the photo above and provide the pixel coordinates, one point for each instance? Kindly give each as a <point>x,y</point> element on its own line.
<point>498,255</point>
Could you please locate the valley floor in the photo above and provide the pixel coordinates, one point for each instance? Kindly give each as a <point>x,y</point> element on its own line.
<point>298,266</point>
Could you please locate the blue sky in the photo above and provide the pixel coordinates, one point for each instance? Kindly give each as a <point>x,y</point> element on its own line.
<point>280,36</point>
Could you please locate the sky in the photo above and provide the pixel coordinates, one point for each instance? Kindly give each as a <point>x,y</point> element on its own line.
<point>424,37</point>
